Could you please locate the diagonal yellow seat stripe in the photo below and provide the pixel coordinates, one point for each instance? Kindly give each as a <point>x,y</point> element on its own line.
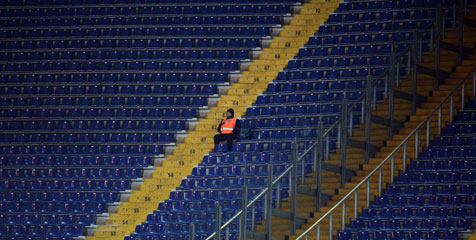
<point>199,141</point>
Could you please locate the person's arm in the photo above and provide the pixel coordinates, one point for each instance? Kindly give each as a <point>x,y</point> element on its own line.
<point>236,130</point>
<point>219,127</point>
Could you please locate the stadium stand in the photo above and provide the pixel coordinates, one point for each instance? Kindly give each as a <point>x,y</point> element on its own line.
<point>95,95</point>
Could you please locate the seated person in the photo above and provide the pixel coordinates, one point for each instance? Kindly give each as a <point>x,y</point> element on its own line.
<point>229,129</point>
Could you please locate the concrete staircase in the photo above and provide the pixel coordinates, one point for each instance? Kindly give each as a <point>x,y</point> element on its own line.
<point>427,99</point>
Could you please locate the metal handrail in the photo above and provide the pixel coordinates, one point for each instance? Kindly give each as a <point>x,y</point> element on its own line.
<point>300,158</point>
<point>390,155</point>
<point>370,85</point>
<point>404,141</point>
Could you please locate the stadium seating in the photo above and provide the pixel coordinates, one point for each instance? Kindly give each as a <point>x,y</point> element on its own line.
<point>335,64</point>
<point>434,198</point>
<point>93,91</point>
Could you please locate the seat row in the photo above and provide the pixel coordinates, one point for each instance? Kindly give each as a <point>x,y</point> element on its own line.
<point>432,200</point>
<point>405,189</point>
<point>41,230</point>
<point>138,42</point>
<point>74,161</point>
<point>454,141</point>
<point>63,185</point>
<point>215,66</point>
<point>398,234</point>
<point>15,219</point>
<point>296,110</point>
<point>58,196</point>
<point>309,86</point>
<point>341,62</point>
<point>85,173</point>
<point>279,7</point>
<point>401,13</point>
<point>58,148</point>
<point>447,152</point>
<point>136,32</point>
<point>103,78</point>
<point>136,21</point>
<point>110,138</point>
<point>76,126</point>
<point>374,31</point>
<point>124,55</point>
<point>355,50</point>
<point>442,165</point>
<point>379,5</point>
<point>74,113</point>
<point>410,224</point>
<point>333,73</point>
<point>113,102</point>
<point>104,91</point>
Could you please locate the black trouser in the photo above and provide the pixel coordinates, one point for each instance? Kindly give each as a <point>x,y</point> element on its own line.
<point>222,137</point>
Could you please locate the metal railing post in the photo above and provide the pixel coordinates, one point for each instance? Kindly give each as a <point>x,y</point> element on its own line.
<point>391,93</point>
<point>414,71</point>
<point>474,84</point>
<point>443,24</point>
<point>397,77</point>
<point>392,169</point>
<point>339,131</point>
<point>253,214</point>
<point>191,231</point>
<point>451,107</point>
<point>362,109</point>
<point>244,212</point>
<point>318,232</point>
<point>439,121</point>
<point>404,156</point>
<point>455,11</point>
<point>437,46</point>
<point>343,215</point>
<point>368,193</point>
<point>343,142</point>
<point>380,181</point>
<point>328,142</point>
<point>460,31</point>
<point>294,190</point>
<point>417,144</point>
<point>427,133</point>
<point>367,118</point>
<point>218,221</point>
<point>318,156</point>
<point>269,199</point>
<point>351,122</point>
<point>463,95</point>
<point>374,96</point>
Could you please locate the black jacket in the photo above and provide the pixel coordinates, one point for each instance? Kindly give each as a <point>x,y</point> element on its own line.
<point>236,130</point>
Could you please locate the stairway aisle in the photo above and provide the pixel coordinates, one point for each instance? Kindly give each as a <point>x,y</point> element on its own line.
<point>428,99</point>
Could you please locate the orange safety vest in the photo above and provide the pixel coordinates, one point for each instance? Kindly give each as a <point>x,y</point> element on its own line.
<point>227,125</point>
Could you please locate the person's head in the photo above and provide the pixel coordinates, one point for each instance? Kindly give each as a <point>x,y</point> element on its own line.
<point>230,113</point>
